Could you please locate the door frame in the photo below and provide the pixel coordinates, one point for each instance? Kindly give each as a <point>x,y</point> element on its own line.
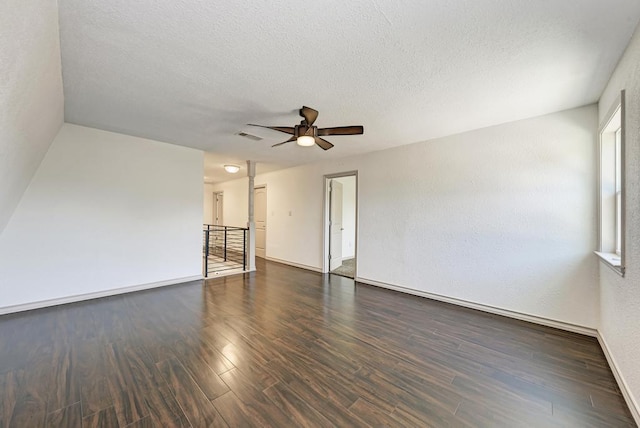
<point>325,219</point>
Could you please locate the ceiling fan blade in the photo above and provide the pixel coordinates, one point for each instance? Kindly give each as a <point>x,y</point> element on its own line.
<point>309,114</point>
<point>286,129</point>
<point>285,142</point>
<point>324,144</point>
<point>342,130</point>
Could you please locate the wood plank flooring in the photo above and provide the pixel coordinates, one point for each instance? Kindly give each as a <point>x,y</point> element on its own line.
<point>286,347</point>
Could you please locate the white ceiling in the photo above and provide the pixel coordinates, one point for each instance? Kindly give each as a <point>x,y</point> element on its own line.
<point>214,171</point>
<point>195,73</point>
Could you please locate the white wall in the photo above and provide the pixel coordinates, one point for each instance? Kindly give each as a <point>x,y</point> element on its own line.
<point>620,297</point>
<point>207,204</point>
<point>235,207</point>
<point>502,216</point>
<point>31,100</point>
<point>348,216</point>
<point>104,211</point>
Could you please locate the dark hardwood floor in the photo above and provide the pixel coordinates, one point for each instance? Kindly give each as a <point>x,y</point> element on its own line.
<point>287,347</point>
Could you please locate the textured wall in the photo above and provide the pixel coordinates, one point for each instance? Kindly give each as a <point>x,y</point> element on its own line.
<point>31,100</point>
<point>502,216</point>
<point>620,297</point>
<point>103,211</point>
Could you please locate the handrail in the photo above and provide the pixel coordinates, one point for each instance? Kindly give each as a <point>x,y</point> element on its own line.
<point>213,226</point>
<point>224,248</point>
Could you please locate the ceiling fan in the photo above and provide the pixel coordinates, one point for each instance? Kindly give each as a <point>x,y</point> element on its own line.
<point>306,134</point>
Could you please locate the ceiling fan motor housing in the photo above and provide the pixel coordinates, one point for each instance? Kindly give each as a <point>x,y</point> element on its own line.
<point>303,129</point>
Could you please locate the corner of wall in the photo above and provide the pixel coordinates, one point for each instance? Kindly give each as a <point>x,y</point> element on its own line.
<point>32,101</point>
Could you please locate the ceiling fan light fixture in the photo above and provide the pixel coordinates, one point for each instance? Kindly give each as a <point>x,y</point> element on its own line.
<point>231,169</point>
<point>306,140</point>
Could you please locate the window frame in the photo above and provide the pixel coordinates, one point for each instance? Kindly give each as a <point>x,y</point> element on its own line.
<point>618,192</point>
<point>611,187</point>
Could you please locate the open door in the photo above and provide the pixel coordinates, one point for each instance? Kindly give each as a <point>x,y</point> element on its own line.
<point>335,224</point>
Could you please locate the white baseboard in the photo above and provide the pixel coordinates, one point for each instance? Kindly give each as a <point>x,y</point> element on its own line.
<point>106,293</point>
<point>486,308</point>
<point>298,265</point>
<point>624,388</point>
<point>622,384</point>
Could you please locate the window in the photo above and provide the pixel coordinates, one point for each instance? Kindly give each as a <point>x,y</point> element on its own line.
<point>611,188</point>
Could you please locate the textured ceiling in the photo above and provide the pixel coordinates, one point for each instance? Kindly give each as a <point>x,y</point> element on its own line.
<point>195,72</point>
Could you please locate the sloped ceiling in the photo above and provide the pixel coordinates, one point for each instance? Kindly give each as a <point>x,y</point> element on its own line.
<point>195,73</point>
<point>31,97</point>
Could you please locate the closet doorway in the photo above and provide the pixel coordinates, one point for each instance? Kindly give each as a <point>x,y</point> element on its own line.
<point>340,231</point>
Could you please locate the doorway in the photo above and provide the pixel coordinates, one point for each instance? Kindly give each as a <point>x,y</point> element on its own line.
<point>260,215</point>
<point>341,213</point>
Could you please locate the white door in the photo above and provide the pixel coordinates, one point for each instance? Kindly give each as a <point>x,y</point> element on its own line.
<point>260,213</point>
<point>335,225</point>
<point>217,236</point>
<point>217,209</point>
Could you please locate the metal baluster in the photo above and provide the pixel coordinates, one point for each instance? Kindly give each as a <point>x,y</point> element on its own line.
<point>206,252</point>
<point>244,249</point>
<point>225,243</point>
